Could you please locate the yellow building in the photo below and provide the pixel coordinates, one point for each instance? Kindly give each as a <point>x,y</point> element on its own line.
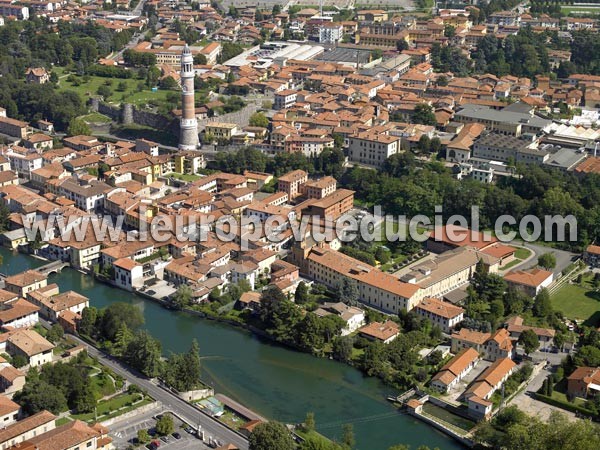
<point>372,15</point>
<point>221,130</point>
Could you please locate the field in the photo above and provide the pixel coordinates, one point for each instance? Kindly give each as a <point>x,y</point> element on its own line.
<point>95,118</point>
<point>578,10</point>
<point>130,94</point>
<point>183,176</point>
<point>578,302</point>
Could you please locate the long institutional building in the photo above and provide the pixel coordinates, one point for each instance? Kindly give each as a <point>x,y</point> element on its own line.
<point>451,270</point>
<point>376,288</point>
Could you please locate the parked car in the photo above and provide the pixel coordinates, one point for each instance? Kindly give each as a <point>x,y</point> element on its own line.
<point>151,446</point>
<point>176,435</point>
<point>165,439</point>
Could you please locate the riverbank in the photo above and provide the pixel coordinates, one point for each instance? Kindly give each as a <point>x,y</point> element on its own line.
<point>272,380</point>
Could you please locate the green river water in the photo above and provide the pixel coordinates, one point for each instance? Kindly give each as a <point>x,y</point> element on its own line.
<point>274,381</point>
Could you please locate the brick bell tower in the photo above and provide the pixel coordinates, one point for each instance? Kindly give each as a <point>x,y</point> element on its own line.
<point>188,126</point>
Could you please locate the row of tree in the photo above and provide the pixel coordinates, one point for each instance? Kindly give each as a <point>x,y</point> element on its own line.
<point>118,329</point>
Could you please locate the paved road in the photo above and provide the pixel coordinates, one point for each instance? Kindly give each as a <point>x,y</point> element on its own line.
<point>137,37</point>
<point>563,258</point>
<point>525,401</point>
<point>190,414</point>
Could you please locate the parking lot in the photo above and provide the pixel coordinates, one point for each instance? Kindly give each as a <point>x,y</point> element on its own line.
<point>124,433</point>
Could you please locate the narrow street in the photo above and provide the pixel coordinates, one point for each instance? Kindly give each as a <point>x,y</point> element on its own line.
<point>210,426</point>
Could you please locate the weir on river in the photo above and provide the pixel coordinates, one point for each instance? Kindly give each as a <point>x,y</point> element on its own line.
<point>276,382</point>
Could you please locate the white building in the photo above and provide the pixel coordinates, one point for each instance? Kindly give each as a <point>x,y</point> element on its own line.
<point>455,370</point>
<point>87,197</point>
<point>284,99</point>
<point>443,314</point>
<point>24,161</point>
<point>330,33</point>
<point>354,317</point>
<point>372,149</point>
<point>31,345</point>
<point>129,275</point>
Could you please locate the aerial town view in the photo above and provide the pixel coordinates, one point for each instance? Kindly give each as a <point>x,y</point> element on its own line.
<point>299,224</point>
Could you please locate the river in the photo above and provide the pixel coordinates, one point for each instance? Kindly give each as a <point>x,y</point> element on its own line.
<point>276,382</point>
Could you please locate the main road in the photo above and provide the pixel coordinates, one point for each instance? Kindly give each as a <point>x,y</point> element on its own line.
<point>183,409</point>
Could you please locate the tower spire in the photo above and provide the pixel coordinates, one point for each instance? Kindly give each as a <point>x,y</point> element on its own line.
<point>188,126</point>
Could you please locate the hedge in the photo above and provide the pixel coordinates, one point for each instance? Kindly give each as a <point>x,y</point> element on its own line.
<point>565,405</point>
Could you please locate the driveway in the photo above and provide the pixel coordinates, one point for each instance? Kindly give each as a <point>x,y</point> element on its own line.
<point>563,258</point>
<point>525,401</point>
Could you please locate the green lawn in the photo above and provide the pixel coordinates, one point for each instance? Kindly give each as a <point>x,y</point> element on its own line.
<point>112,407</point>
<point>62,421</point>
<point>102,384</point>
<point>522,253</point>
<point>577,302</point>
<point>184,176</point>
<point>96,118</point>
<point>448,417</point>
<point>580,9</point>
<point>131,94</point>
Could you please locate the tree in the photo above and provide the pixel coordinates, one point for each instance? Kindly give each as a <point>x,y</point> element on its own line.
<point>4,218</point>
<point>103,168</point>
<point>309,333</point>
<point>55,333</point>
<point>39,395</point>
<point>382,255</point>
<point>117,313</point>
<point>165,425</point>
<point>191,370</point>
<point>270,436</point>
<point>449,31</point>
<point>168,83</point>
<point>122,340</point>
<point>342,348</point>
<point>529,341</point>
<point>142,436</point>
<point>200,59</point>
<point>348,292</point>
<point>423,114</point>
<point>144,354</point>
<point>87,324</point>
<point>258,119</point>
<point>401,45</point>
<point>182,297</point>
<point>309,422</point>
<point>19,361</point>
<point>542,307</point>
<point>547,261</point>
<point>78,127</point>
<point>348,435</point>
<point>301,296</point>
<point>104,91</point>
<point>376,54</point>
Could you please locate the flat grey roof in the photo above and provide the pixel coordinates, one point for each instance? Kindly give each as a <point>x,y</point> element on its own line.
<point>487,113</point>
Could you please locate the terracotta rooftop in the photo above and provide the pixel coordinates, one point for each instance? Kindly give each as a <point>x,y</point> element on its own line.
<point>532,277</point>
<point>475,337</point>
<point>26,278</point>
<point>381,331</point>
<point>440,308</point>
